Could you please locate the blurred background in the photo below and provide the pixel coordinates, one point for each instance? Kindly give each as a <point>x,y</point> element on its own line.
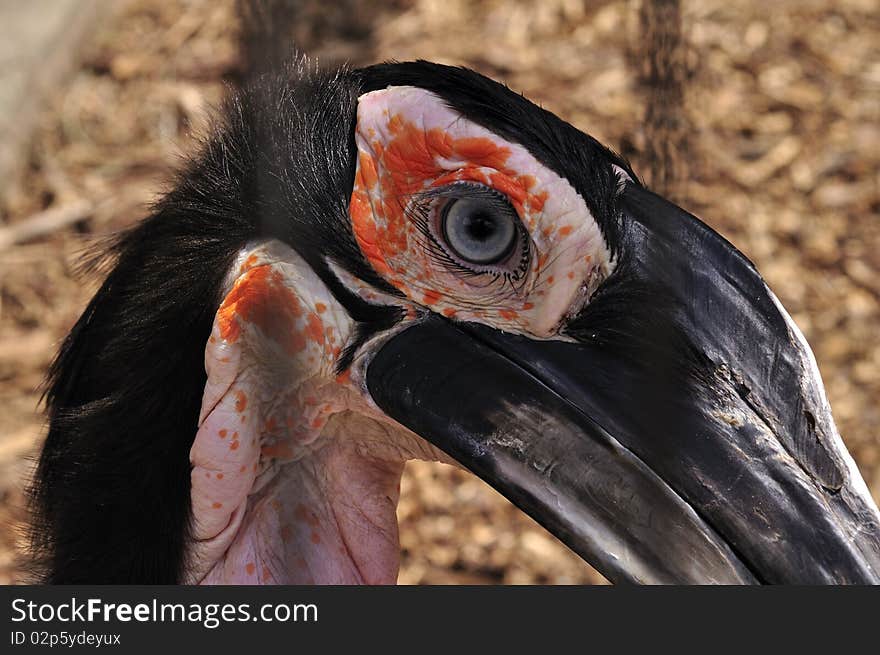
<point>762,118</point>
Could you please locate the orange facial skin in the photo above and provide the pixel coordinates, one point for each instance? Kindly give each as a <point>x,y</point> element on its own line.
<point>259,297</point>
<point>290,458</point>
<point>271,355</point>
<point>408,142</point>
<point>274,316</point>
<point>410,164</point>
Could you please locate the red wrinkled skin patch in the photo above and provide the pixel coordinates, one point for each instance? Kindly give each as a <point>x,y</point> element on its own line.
<point>409,142</point>
<point>259,297</point>
<point>409,163</point>
<point>271,390</point>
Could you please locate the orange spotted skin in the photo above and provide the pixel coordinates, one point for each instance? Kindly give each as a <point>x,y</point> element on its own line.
<point>253,422</point>
<point>408,143</point>
<point>409,163</point>
<point>279,485</point>
<point>259,297</point>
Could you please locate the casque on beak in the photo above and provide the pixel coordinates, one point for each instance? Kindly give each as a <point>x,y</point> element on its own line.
<point>678,433</point>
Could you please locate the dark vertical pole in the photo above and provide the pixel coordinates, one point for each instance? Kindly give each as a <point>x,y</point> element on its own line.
<point>660,59</point>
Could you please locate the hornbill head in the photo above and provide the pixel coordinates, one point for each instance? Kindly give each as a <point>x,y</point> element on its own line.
<point>410,260</point>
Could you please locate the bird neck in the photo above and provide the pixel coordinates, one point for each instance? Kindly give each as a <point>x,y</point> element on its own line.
<point>326,518</point>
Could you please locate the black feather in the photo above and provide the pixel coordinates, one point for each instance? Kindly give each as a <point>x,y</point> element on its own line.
<point>110,495</point>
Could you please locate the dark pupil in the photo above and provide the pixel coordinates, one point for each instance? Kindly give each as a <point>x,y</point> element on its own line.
<point>480,225</point>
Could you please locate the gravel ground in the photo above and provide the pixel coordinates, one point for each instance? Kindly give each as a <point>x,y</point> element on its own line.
<point>784,131</point>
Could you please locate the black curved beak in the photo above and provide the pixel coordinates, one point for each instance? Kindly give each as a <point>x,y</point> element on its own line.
<point>678,434</point>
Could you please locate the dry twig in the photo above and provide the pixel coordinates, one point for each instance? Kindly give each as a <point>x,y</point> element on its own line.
<point>45,222</point>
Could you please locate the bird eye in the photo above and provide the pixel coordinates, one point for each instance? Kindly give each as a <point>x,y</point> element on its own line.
<point>478,231</point>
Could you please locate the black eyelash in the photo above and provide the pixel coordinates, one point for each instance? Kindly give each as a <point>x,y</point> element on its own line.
<point>419,211</point>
